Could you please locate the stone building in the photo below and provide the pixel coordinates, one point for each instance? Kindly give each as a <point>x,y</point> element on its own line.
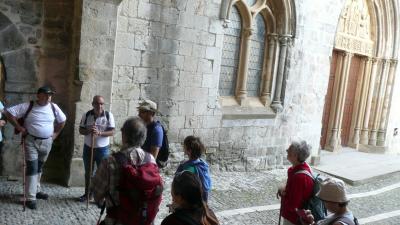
<point>247,76</point>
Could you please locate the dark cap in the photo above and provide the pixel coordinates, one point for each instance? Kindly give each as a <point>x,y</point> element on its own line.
<point>45,90</point>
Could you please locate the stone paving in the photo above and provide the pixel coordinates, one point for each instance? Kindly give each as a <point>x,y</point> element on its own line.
<point>232,190</point>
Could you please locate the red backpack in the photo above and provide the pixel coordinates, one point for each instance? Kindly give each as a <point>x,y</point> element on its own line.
<point>140,190</point>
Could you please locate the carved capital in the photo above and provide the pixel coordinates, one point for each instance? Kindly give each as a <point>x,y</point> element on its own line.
<point>272,37</point>
<point>284,40</point>
<point>393,62</point>
<point>247,32</point>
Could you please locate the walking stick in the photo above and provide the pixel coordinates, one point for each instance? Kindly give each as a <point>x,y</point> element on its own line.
<point>90,172</point>
<point>280,212</point>
<point>23,172</point>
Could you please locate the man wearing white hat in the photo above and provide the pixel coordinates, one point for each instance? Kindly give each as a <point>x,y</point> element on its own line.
<point>334,196</point>
<point>147,110</point>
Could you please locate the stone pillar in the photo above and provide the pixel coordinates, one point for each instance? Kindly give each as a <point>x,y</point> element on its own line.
<point>379,103</point>
<point>277,102</point>
<point>241,84</point>
<point>365,79</point>
<point>340,95</point>
<point>268,69</point>
<point>386,102</point>
<point>370,91</point>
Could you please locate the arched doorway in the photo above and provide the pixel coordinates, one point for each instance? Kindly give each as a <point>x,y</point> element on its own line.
<point>361,75</point>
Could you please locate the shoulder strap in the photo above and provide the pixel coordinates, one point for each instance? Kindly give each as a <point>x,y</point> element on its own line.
<point>344,220</point>
<point>107,115</point>
<point>54,110</point>
<point>306,173</point>
<point>88,113</point>
<point>29,109</point>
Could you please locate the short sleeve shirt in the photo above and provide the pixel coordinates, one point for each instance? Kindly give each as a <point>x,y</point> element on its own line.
<point>102,124</point>
<point>40,120</point>
<point>154,136</point>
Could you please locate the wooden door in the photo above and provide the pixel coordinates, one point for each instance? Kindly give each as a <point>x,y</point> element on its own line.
<point>328,100</point>
<point>349,100</point>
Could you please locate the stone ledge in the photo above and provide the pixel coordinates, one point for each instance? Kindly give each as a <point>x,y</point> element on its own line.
<point>240,112</point>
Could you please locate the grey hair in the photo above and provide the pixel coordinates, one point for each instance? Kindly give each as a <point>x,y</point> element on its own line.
<point>301,149</point>
<point>134,132</point>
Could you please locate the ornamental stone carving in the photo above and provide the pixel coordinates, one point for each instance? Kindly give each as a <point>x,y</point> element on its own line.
<point>354,29</point>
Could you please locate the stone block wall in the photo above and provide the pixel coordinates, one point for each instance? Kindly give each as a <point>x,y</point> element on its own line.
<point>170,52</point>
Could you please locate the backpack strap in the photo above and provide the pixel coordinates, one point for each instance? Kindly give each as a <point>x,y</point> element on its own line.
<point>344,220</point>
<point>306,173</point>
<point>88,113</point>
<point>53,108</point>
<point>29,109</point>
<point>91,112</point>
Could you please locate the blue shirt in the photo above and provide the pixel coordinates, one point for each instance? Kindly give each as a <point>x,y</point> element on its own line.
<point>154,136</point>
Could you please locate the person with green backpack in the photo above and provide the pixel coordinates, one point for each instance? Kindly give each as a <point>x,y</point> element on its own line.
<point>299,185</point>
<point>333,194</point>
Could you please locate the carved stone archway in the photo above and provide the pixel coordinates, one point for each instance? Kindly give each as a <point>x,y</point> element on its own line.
<point>357,39</point>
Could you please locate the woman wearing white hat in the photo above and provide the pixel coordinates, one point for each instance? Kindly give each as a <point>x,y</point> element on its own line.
<point>334,196</point>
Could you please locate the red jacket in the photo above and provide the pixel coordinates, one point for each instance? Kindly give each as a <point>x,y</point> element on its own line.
<point>299,189</point>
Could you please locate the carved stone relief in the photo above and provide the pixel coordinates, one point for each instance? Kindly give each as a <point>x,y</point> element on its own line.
<point>354,29</point>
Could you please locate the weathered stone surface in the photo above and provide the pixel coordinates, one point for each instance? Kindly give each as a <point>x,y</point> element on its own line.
<point>10,39</point>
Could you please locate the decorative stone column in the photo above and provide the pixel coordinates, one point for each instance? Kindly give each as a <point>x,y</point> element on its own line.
<point>241,84</point>
<point>277,102</point>
<point>334,140</point>
<point>365,78</point>
<point>379,103</point>
<point>370,91</point>
<point>386,101</point>
<point>268,69</point>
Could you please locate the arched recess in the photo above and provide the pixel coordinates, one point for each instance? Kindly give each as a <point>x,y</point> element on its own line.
<point>362,74</point>
<point>279,19</point>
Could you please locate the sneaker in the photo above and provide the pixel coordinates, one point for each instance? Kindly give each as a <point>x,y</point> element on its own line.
<point>42,195</point>
<point>31,204</point>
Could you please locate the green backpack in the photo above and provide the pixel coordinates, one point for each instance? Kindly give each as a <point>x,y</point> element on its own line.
<point>314,204</point>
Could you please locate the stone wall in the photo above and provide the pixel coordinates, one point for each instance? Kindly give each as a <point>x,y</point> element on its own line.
<point>170,52</point>
<point>37,48</point>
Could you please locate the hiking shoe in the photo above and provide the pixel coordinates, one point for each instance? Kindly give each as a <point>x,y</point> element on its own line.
<point>42,195</point>
<point>31,204</point>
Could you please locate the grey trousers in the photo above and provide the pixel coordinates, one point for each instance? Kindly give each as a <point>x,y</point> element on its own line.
<point>36,153</point>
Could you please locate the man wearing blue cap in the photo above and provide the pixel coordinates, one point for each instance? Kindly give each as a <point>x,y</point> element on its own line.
<point>43,122</point>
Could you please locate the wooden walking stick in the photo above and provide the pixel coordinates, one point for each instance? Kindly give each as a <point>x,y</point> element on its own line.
<point>23,172</point>
<point>90,172</point>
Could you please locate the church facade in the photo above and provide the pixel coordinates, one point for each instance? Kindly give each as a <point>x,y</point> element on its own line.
<point>246,76</point>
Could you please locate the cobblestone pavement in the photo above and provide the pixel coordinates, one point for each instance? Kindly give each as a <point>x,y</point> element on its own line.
<point>231,191</point>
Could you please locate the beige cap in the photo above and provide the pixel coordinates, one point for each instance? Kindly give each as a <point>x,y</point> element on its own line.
<point>147,105</point>
<point>333,190</point>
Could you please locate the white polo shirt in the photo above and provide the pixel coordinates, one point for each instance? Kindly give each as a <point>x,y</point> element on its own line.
<point>40,120</point>
<point>102,124</point>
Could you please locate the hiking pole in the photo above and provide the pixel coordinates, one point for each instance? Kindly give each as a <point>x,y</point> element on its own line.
<point>23,172</point>
<point>90,172</point>
<point>280,211</point>
<point>101,212</point>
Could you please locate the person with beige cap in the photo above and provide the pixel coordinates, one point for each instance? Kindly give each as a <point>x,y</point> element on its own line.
<point>155,132</point>
<point>334,196</point>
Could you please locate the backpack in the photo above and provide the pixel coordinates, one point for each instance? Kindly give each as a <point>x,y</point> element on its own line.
<point>140,188</point>
<point>91,112</point>
<point>21,120</point>
<point>314,204</point>
<point>163,153</point>
<point>345,220</point>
